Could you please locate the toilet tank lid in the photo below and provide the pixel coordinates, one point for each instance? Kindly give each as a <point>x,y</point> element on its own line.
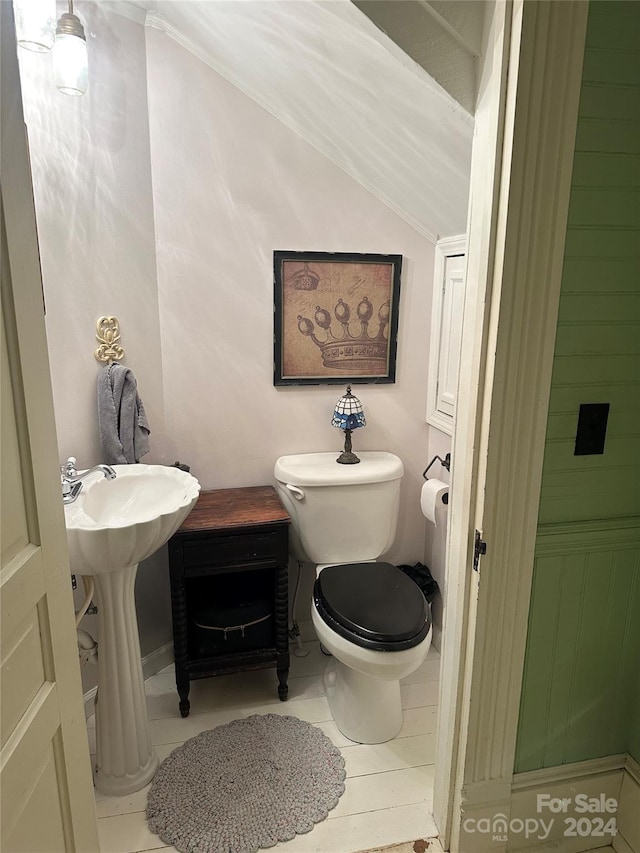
<point>321,469</point>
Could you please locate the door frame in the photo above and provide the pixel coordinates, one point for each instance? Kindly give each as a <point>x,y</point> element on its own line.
<point>521,178</point>
<point>54,716</point>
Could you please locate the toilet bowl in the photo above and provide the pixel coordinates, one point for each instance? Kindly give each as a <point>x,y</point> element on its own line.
<point>367,614</point>
<point>376,623</point>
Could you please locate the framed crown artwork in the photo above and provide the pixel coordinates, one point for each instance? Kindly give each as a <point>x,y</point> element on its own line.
<point>336,317</point>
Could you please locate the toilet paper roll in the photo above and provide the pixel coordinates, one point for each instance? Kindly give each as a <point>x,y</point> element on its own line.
<point>431,497</point>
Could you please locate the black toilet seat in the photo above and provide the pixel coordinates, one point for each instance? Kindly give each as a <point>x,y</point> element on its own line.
<point>374,605</point>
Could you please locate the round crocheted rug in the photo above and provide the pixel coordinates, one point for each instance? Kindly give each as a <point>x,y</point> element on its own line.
<point>246,785</point>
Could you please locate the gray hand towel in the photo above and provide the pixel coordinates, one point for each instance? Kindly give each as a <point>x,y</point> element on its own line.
<point>123,425</point>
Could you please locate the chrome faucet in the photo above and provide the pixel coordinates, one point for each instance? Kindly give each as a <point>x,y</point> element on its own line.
<point>72,482</point>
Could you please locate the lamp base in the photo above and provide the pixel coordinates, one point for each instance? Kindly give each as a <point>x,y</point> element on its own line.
<point>347,458</point>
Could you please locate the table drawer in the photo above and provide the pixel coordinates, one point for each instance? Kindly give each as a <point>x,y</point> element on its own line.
<point>230,549</point>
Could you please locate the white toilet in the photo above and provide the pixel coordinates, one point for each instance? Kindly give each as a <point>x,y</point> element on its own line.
<point>369,615</point>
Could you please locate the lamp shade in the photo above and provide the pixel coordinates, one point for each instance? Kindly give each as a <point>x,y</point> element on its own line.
<point>35,24</point>
<point>70,62</point>
<point>348,413</point>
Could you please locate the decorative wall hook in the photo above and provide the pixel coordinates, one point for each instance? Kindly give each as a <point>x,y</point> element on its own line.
<point>108,335</point>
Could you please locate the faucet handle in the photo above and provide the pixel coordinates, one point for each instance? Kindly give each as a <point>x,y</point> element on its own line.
<point>70,469</point>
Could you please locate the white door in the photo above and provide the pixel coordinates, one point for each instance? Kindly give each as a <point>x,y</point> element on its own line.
<point>521,172</point>
<point>46,788</point>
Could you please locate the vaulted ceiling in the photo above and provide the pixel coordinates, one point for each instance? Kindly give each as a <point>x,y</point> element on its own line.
<point>443,37</point>
<point>328,72</point>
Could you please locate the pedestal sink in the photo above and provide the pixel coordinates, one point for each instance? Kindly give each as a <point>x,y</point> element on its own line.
<point>111,526</point>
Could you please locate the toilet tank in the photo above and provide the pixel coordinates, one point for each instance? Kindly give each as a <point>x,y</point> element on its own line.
<point>340,513</point>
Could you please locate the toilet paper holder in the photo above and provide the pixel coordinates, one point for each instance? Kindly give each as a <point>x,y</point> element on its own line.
<point>446,463</point>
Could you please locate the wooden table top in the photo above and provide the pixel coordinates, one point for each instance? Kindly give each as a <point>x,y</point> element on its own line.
<point>224,509</point>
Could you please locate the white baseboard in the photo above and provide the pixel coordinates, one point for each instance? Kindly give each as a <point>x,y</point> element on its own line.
<point>628,839</point>
<point>436,638</point>
<point>88,698</point>
<point>496,822</point>
<point>307,632</point>
<point>157,660</point>
<point>616,777</point>
<point>621,846</point>
<point>561,773</point>
<point>633,768</point>
<point>593,779</point>
<point>151,664</point>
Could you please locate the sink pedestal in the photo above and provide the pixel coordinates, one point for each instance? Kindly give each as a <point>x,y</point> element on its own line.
<point>125,759</point>
<point>113,523</point>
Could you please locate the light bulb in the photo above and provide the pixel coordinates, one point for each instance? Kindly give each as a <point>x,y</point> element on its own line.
<point>35,24</point>
<point>70,61</point>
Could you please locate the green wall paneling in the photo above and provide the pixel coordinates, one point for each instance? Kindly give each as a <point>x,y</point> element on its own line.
<point>603,101</point>
<point>602,243</point>
<point>562,427</point>
<point>610,307</point>
<point>605,169</point>
<point>589,494</point>
<point>571,370</point>
<point>557,453</point>
<point>634,745</point>
<point>607,136</point>
<point>602,206</point>
<point>579,693</point>
<point>604,339</point>
<point>581,689</point>
<point>614,66</point>
<point>605,27</point>
<point>622,397</point>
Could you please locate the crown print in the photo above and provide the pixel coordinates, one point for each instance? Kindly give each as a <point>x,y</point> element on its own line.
<point>347,351</point>
<point>305,279</point>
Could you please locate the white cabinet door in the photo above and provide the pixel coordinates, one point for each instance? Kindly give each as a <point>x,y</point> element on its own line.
<point>446,332</point>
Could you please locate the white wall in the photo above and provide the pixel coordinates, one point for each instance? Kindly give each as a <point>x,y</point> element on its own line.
<point>92,186</point>
<point>163,206</point>
<point>231,184</point>
<point>439,444</point>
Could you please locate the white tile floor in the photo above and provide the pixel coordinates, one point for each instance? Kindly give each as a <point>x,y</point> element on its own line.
<point>389,786</point>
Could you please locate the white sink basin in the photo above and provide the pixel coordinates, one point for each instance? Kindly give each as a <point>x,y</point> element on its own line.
<point>117,523</point>
<point>111,526</point>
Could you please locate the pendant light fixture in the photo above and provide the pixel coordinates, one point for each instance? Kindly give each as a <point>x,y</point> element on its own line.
<point>35,24</point>
<point>70,62</point>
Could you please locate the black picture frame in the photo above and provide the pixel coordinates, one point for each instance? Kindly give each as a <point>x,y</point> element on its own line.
<point>335,317</point>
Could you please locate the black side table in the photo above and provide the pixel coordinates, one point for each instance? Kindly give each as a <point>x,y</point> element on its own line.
<point>229,587</point>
